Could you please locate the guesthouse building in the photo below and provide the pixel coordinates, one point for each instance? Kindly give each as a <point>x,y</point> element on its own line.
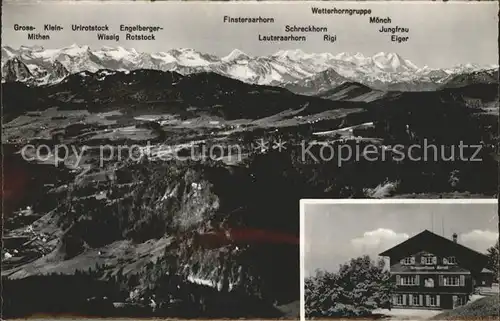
<point>433,272</point>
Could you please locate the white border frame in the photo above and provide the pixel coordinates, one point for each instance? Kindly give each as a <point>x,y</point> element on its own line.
<point>303,202</point>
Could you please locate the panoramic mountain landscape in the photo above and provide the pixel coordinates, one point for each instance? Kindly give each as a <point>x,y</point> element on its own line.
<point>147,180</point>
<point>293,69</point>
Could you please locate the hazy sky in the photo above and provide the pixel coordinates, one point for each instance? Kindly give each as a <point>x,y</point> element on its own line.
<point>336,233</point>
<point>441,34</point>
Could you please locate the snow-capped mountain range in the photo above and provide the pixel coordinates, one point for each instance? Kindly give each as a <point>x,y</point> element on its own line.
<point>288,68</point>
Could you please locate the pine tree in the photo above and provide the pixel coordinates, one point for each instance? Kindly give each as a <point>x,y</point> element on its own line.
<point>493,262</point>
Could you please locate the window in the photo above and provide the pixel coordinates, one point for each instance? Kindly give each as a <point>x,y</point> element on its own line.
<point>428,260</point>
<point>415,300</point>
<point>451,281</point>
<point>409,280</point>
<point>408,261</point>
<point>458,300</point>
<point>451,260</point>
<point>399,299</point>
<point>432,300</point>
<point>429,283</point>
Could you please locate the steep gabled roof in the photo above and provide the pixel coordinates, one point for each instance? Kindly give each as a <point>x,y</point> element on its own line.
<point>438,245</point>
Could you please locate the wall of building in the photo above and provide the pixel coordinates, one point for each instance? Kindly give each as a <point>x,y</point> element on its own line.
<point>427,281</point>
<point>438,301</point>
<point>433,282</point>
<point>417,263</point>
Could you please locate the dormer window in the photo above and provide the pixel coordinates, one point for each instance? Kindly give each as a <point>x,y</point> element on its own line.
<point>451,260</point>
<point>408,260</point>
<point>429,260</point>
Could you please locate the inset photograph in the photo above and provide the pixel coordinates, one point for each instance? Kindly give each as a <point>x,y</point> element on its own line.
<point>400,260</point>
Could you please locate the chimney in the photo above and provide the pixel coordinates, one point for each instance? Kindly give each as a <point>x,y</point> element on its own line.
<point>455,237</point>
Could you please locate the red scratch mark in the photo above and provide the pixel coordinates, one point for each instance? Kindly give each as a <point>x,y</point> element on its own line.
<point>262,236</point>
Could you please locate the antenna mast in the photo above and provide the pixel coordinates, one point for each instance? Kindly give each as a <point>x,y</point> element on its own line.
<point>432,222</point>
<point>442,224</point>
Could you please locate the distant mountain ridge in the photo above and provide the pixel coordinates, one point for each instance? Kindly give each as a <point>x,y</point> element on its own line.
<point>293,69</point>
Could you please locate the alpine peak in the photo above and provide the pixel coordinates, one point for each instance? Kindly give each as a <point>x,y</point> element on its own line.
<point>236,54</point>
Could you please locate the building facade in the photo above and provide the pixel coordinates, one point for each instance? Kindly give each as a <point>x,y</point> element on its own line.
<point>433,272</point>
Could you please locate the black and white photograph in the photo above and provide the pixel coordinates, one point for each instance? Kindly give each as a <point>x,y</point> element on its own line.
<point>400,260</point>
<point>154,155</point>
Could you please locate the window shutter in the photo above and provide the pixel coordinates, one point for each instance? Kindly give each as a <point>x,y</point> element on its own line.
<point>427,300</point>
<point>434,260</point>
<point>462,280</point>
<point>417,279</point>
<point>445,261</point>
<point>395,299</point>
<point>437,300</point>
<point>398,279</point>
<point>402,261</point>
<point>421,299</point>
<point>412,260</point>
<point>441,280</point>
<point>404,299</point>
<point>410,297</point>
<point>422,260</point>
